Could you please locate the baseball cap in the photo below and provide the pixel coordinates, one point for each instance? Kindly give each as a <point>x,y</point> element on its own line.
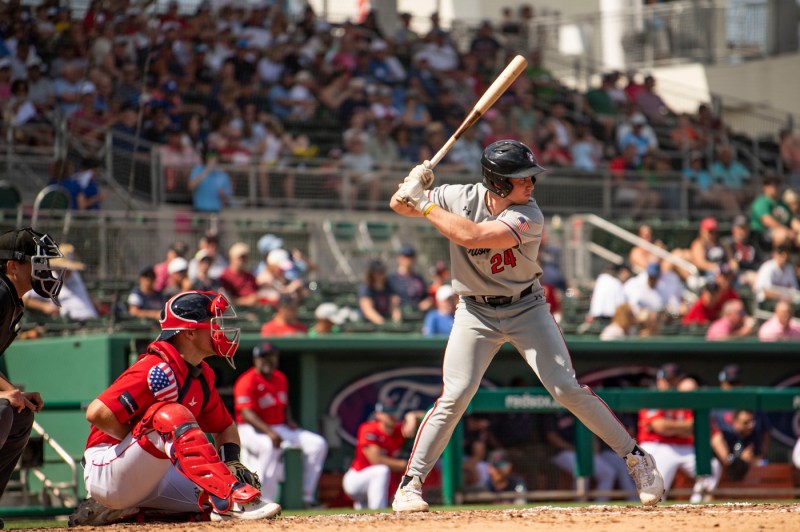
<point>498,458</point>
<point>17,243</point>
<point>279,258</point>
<point>265,348</point>
<point>332,313</point>
<point>654,269</point>
<point>387,406</point>
<point>638,119</point>
<point>444,292</point>
<point>287,300</point>
<point>269,242</point>
<point>147,271</point>
<point>407,251</point>
<point>178,264</point>
<point>239,249</point>
<point>669,372</point>
<point>87,87</point>
<point>730,374</point>
<point>740,220</point>
<point>709,224</point>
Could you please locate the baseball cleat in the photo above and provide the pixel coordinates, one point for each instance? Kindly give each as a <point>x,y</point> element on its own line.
<point>92,513</point>
<point>256,509</point>
<point>408,498</point>
<point>648,480</point>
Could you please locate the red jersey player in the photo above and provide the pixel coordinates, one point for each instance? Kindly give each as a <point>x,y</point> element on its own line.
<point>261,399</point>
<point>379,441</point>
<point>147,448</point>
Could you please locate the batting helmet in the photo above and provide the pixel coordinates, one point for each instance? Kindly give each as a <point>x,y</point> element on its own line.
<point>194,310</point>
<point>504,160</point>
<point>25,244</point>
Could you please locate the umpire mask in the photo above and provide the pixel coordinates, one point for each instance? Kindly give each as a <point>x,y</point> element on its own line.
<point>24,244</point>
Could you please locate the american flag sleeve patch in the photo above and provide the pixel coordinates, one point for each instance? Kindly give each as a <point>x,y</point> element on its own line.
<point>161,381</point>
<point>521,223</point>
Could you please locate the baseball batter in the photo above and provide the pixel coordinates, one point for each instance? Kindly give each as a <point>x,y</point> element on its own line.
<point>148,448</point>
<point>495,228</point>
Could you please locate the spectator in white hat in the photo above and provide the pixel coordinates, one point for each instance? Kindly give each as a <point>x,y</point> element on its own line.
<point>329,319</point>
<point>439,321</point>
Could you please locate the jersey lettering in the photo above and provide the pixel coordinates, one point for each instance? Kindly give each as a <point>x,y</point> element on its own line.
<point>501,260</point>
<point>477,252</point>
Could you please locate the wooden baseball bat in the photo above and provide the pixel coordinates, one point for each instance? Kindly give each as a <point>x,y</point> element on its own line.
<point>495,90</point>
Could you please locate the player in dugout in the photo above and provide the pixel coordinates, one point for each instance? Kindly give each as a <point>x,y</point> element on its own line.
<point>147,452</point>
<point>495,229</point>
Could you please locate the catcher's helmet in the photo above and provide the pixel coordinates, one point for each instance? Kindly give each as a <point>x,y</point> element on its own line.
<point>194,310</point>
<point>26,244</point>
<point>506,159</point>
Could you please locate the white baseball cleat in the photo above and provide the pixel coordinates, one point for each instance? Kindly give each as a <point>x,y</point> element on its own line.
<point>408,498</point>
<point>256,509</point>
<point>648,480</point>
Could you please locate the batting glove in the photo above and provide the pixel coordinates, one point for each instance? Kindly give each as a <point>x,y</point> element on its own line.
<point>422,174</point>
<point>412,194</point>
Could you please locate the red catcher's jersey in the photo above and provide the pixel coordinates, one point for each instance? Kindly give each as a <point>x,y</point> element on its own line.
<point>371,433</point>
<point>648,416</point>
<point>266,397</point>
<point>129,396</point>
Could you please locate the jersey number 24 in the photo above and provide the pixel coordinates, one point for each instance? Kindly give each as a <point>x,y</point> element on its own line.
<point>501,260</point>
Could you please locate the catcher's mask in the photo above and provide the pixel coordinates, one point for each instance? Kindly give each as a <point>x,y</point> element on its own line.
<point>196,310</point>
<point>26,244</point>
<point>504,160</point>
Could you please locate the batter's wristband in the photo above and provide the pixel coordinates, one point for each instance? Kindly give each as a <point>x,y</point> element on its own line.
<point>229,451</point>
<point>428,209</point>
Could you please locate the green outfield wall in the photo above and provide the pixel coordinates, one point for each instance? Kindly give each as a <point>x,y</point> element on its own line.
<point>351,371</point>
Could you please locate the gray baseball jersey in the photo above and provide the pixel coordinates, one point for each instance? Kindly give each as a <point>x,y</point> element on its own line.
<point>481,328</point>
<point>492,272</point>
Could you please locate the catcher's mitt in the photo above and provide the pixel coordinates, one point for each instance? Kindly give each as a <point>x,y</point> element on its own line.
<point>243,474</point>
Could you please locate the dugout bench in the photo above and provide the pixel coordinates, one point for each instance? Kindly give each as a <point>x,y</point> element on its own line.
<point>538,400</point>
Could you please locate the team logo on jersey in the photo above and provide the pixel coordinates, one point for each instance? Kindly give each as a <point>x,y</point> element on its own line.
<point>414,388</point>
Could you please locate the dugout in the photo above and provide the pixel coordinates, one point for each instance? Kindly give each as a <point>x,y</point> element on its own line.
<point>335,381</point>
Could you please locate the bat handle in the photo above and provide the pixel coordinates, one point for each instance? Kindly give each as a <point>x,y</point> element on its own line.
<point>436,159</point>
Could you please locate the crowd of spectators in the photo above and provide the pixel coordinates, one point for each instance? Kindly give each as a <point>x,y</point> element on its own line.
<point>220,88</point>
<point>723,285</point>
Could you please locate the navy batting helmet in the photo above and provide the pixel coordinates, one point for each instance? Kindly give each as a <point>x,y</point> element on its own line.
<point>504,160</point>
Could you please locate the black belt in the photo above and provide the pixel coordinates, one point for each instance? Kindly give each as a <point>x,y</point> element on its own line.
<point>499,301</point>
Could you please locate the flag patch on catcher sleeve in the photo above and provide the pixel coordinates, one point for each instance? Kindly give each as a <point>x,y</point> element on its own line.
<point>128,403</point>
<point>162,383</point>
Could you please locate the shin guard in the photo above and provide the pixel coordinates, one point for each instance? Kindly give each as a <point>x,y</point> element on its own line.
<point>194,456</point>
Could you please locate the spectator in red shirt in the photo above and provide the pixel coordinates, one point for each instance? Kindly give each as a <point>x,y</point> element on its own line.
<point>708,307</point>
<point>176,249</point>
<point>379,442</point>
<point>237,281</point>
<point>266,426</point>
<point>285,322</point>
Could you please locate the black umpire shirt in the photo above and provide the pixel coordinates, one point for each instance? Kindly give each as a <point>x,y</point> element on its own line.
<point>11,309</point>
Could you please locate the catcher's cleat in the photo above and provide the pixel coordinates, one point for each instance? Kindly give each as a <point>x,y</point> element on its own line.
<point>92,513</point>
<point>648,480</point>
<point>408,497</point>
<point>256,509</point>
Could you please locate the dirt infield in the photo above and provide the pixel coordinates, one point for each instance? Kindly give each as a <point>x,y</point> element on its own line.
<point>676,518</point>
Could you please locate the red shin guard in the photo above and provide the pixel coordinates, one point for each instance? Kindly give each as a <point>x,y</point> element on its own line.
<point>194,456</point>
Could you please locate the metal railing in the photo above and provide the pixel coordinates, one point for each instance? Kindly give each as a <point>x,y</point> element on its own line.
<point>538,400</point>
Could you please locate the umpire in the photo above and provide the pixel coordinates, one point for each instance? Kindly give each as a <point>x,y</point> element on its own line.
<point>24,265</point>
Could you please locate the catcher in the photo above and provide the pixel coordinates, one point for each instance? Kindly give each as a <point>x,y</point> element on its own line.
<point>147,449</point>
